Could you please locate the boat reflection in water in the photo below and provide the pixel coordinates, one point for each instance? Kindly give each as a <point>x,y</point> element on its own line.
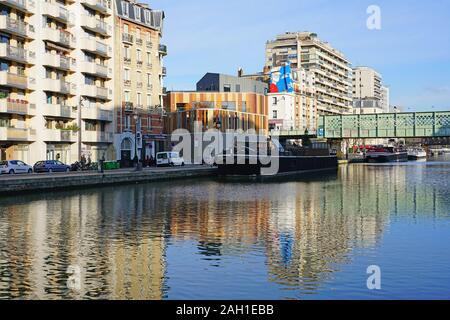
<point>207,239</point>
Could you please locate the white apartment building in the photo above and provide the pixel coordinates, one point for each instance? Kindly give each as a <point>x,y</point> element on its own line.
<point>366,83</point>
<point>369,95</point>
<point>56,79</point>
<point>296,110</point>
<point>385,99</point>
<point>332,71</point>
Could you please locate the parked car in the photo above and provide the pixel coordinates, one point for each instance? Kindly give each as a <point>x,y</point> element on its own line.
<point>51,166</point>
<point>169,159</point>
<point>14,166</point>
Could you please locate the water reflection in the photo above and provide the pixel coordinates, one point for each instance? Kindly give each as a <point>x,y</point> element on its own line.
<point>306,230</point>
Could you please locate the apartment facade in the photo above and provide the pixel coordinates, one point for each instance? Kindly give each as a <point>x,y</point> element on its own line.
<point>331,69</point>
<point>385,99</point>
<point>55,79</point>
<point>294,109</point>
<point>139,85</point>
<point>369,94</point>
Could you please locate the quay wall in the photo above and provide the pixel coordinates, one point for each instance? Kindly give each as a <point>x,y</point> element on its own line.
<point>82,180</point>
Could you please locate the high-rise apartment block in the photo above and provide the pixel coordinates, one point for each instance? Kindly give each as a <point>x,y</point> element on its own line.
<point>331,69</point>
<point>369,95</point>
<point>59,75</point>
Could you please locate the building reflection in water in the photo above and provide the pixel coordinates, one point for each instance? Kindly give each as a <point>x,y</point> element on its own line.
<point>119,236</point>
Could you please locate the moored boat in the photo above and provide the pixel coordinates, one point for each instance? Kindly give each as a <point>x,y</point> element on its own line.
<point>386,154</point>
<point>416,153</point>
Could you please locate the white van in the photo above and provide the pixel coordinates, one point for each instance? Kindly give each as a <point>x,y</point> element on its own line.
<point>169,159</point>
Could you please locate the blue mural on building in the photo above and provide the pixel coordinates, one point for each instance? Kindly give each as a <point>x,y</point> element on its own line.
<point>281,81</point>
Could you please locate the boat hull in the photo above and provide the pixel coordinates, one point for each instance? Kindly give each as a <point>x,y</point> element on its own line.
<point>387,157</point>
<point>417,157</point>
<point>287,165</point>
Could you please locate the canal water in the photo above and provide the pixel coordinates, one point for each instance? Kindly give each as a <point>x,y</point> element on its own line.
<point>307,238</point>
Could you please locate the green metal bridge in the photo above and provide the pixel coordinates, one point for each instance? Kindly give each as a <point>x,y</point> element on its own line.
<point>385,125</point>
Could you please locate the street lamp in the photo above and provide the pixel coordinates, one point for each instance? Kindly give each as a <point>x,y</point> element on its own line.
<point>136,159</point>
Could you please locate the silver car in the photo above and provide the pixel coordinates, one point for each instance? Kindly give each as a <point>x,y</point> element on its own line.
<point>14,166</point>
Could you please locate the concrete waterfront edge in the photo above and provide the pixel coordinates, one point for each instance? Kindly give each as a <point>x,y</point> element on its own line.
<point>65,182</point>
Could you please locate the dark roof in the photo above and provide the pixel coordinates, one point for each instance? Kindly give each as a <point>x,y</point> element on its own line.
<point>153,19</point>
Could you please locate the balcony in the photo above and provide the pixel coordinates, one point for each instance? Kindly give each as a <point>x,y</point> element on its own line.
<point>96,137</point>
<point>8,52</point>
<point>17,106</point>
<point>96,69</point>
<point>17,81</point>
<point>26,6</point>
<point>91,44</point>
<point>128,106</point>
<point>58,61</point>
<point>148,44</point>
<point>16,27</point>
<point>95,92</point>
<point>57,12</point>
<point>139,41</point>
<point>163,49</point>
<point>164,71</point>
<point>59,111</point>
<point>98,5</point>
<point>60,86</point>
<point>96,25</point>
<point>128,38</point>
<point>94,113</point>
<point>15,134</point>
<point>60,37</point>
<point>59,135</point>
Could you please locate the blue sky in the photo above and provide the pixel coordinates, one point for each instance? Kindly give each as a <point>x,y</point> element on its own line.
<point>411,51</point>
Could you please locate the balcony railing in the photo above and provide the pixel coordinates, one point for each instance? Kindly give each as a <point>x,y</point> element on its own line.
<point>101,47</point>
<point>164,71</point>
<point>128,106</point>
<point>139,41</point>
<point>15,26</point>
<point>16,106</point>
<point>163,49</point>
<point>126,37</point>
<point>101,5</point>
<point>149,44</point>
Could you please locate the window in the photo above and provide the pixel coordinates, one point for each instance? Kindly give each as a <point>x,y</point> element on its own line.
<point>137,13</point>
<point>125,8</point>
<point>147,16</point>
<point>126,52</point>
<point>126,96</point>
<point>138,55</point>
<point>149,123</point>
<point>149,58</point>
<point>126,74</point>
<point>89,80</point>
<point>139,99</point>
<point>149,79</point>
<point>226,88</point>
<point>238,88</point>
<point>275,100</point>
<point>149,100</point>
<point>275,114</point>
